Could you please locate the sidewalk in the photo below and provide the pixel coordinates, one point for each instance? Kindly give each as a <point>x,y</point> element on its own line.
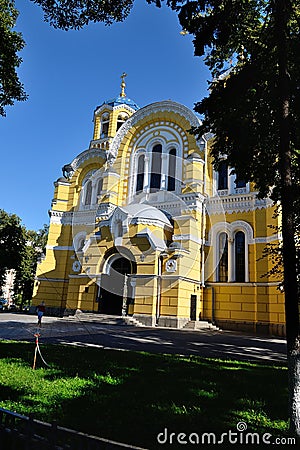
<point>110,333</point>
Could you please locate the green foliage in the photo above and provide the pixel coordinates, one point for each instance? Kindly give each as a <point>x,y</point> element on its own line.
<point>20,250</point>
<point>12,242</point>
<point>32,251</point>
<point>11,43</point>
<point>239,40</point>
<point>131,397</point>
<point>74,14</point>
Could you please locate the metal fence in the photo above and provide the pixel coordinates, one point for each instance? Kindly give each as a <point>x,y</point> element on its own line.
<point>19,432</point>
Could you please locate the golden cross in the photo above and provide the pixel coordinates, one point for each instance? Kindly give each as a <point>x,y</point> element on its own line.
<point>123,85</point>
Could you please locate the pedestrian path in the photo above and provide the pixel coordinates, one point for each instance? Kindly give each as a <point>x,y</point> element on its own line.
<point>110,333</point>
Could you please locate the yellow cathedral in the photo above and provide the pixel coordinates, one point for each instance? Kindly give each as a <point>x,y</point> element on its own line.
<point>141,225</point>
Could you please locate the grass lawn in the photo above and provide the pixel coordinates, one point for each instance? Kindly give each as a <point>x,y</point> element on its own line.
<point>131,397</point>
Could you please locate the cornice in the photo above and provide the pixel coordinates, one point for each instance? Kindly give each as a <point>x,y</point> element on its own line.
<point>230,204</point>
<point>113,108</point>
<point>88,154</point>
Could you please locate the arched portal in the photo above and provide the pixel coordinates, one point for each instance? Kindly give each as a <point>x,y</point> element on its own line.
<point>115,293</point>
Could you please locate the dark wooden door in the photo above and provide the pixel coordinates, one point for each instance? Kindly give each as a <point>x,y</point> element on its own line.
<point>193,307</point>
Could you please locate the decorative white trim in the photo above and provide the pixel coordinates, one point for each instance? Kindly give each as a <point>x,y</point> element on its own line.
<point>59,247</point>
<point>151,109</point>
<point>85,155</point>
<point>61,183</point>
<point>187,237</point>
<point>268,239</point>
<point>229,204</point>
<point>52,280</point>
<point>109,261</point>
<point>85,217</point>
<point>168,137</point>
<point>145,221</point>
<point>76,266</point>
<point>171,265</point>
<point>104,211</point>
<point>101,108</point>
<point>60,217</point>
<point>230,229</point>
<point>77,238</point>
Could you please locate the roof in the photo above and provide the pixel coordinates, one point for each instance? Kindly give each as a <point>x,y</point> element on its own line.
<point>120,101</point>
<point>144,211</point>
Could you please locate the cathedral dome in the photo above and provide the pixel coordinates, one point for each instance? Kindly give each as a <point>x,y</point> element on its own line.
<point>121,101</point>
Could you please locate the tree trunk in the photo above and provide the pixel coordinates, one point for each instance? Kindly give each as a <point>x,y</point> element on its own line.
<point>281,9</point>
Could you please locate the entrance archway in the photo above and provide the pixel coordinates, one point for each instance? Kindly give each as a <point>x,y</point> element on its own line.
<point>114,289</point>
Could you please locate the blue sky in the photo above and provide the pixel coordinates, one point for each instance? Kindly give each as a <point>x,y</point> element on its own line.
<point>66,75</point>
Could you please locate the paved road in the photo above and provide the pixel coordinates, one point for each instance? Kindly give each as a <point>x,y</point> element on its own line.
<point>106,334</point>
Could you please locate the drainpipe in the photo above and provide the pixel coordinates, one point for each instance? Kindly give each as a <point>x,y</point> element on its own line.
<point>202,250</point>
<point>158,294</point>
<point>203,217</point>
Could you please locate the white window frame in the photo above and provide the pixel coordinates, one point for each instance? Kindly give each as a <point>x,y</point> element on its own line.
<point>230,229</point>
<point>147,152</point>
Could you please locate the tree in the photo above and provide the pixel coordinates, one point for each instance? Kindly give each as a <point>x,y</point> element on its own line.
<point>11,43</point>
<point>253,51</point>
<point>12,242</point>
<point>32,251</point>
<point>74,14</point>
<point>20,250</point>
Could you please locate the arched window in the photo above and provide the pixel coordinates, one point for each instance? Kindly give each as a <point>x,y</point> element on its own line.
<point>119,229</point>
<point>239,251</point>
<point>88,193</point>
<point>80,245</point>
<point>223,175</point>
<point>121,119</point>
<point>104,126</point>
<point>156,168</point>
<point>140,174</point>
<point>172,169</point>
<point>223,257</point>
<point>99,186</point>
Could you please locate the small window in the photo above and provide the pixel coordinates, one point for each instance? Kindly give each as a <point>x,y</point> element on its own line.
<point>172,170</point>
<point>119,229</point>
<point>104,126</point>
<point>80,245</point>
<point>121,119</point>
<point>239,256</point>
<point>99,186</point>
<point>223,257</point>
<point>88,193</point>
<point>140,174</point>
<point>155,178</point>
<point>223,175</point>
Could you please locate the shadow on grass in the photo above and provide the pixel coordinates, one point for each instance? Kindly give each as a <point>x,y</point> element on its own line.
<point>131,397</point>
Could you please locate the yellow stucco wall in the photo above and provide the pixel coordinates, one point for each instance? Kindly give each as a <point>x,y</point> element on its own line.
<point>164,294</point>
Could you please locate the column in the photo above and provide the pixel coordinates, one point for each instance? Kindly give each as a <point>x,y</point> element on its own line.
<point>231,266</point>
<point>146,174</point>
<point>164,172</point>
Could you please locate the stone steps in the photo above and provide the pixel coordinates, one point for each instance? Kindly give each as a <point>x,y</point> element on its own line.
<point>104,319</point>
<point>200,325</point>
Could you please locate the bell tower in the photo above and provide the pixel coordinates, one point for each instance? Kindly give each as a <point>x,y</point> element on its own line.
<point>110,116</point>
